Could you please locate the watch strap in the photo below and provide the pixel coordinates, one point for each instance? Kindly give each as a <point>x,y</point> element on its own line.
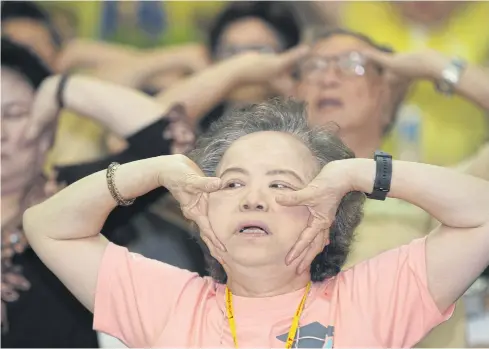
<point>383,176</point>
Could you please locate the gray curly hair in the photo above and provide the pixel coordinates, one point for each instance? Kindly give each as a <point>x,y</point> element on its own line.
<point>287,116</point>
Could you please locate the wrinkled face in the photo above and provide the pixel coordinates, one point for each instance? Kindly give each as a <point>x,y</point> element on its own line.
<point>32,34</point>
<point>341,86</point>
<point>427,12</point>
<point>244,215</point>
<point>21,160</point>
<point>248,34</point>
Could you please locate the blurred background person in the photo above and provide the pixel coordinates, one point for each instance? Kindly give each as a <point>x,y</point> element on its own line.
<point>31,101</point>
<point>449,129</point>
<point>348,80</point>
<point>30,292</point>
<point>26,22</point>
<point>261,26</point>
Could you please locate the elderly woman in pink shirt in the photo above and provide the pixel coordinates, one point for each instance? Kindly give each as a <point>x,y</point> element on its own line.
<point>276,203</point>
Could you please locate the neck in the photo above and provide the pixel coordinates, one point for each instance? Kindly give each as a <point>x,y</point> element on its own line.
<point>363,144</point>
<point>11,206</point>
<point>266,281</point>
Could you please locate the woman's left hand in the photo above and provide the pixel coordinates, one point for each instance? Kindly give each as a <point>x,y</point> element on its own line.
<point>322,196</point>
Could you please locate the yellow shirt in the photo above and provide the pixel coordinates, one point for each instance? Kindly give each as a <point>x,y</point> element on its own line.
<point>78,139</point>
<point>452,128</point>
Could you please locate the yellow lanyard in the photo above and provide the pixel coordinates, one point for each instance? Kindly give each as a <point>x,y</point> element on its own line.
<point>293,327</point>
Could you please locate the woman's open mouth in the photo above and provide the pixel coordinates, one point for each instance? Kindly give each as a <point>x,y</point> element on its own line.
<point>254,228</point>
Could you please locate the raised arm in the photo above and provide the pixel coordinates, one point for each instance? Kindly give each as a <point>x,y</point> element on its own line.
<point>429,64</point>
<point>129,66</point>
<point>203,91</point>
<point>122,110</point>
<point>64,230</point>
<point>83,54</point>
<point>131,114</point>
<point>456,252</point>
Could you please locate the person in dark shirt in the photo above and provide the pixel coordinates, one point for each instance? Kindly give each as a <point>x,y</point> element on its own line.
<point>37,311</point>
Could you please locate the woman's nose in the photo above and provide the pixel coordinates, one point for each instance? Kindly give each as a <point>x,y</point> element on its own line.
<point>254,201</point>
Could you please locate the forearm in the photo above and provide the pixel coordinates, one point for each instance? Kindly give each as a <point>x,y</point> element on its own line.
<point>473,84</point>
<point>80,210</point>
<point>123,110</point>
<point>454,199</point>
<point>160,60</point>
<point>81,53</point>
<point>204,90</point>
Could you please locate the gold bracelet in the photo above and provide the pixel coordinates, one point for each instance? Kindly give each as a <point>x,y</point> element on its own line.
<point>113,189</point>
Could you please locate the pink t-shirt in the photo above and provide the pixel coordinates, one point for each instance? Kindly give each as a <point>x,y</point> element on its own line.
<point>383,302</point>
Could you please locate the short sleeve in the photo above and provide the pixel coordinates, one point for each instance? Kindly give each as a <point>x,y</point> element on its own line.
<point>390,293</point>
<point>136,296</point>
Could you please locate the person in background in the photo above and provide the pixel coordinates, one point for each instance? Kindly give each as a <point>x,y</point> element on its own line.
<point>31,101</point>
<point>261,26</point>
<point>350,80</point>
<point>451,128</point>
<point>29,291</point>
<point>77,138</point>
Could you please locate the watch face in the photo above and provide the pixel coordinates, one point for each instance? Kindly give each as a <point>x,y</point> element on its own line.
<point>451,75</point>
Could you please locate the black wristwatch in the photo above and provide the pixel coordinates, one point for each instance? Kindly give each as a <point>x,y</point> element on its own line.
<point>383,176</point>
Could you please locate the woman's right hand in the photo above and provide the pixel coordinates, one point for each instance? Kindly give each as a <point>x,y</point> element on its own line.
<point>190,187</point>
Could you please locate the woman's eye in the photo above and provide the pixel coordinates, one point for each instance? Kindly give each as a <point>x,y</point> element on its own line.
<point>232,185</point>
<point>280,186</point>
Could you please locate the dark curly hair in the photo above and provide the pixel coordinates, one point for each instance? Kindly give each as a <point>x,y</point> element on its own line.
<point>287,116</point>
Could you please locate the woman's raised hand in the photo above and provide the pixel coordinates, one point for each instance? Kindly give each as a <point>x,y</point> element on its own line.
<point>191,188</point>
<point>322,197</point>
<point>255,67</point>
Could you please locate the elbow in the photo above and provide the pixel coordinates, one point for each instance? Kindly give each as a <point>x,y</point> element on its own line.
<point>32,223</point>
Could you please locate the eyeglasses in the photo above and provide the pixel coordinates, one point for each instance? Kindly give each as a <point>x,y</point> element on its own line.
<point>233,50</point>
<point>349,64</point>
